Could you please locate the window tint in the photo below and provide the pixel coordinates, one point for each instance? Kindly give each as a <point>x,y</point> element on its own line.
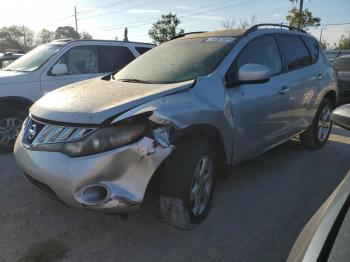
<point>113,58</point>
<point>80,60</point>
<point>142,50</point>
<point>295,52</point>
<point>342,64</point>
<point>264,51</point>
<point>312,45</point>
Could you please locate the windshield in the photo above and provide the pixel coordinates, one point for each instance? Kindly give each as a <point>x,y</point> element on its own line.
<point>34,59</point>
<point>178,60</point>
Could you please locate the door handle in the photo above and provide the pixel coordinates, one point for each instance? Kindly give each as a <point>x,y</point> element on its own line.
<point>319,76</point>
<point>284,90</point>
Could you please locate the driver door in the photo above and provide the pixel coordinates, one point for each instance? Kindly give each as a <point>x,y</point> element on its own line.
<point>82,64</point>
<point>261,111</point>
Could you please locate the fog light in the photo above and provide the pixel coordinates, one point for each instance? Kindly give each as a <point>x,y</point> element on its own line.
<point>95,194</point>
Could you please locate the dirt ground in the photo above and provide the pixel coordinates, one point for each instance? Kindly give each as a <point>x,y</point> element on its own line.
<point>256,214</point>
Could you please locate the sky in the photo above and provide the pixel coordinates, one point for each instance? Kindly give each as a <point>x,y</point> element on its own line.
<point>107,19</point>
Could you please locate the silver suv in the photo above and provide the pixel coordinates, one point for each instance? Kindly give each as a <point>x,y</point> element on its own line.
<point>171,120</point>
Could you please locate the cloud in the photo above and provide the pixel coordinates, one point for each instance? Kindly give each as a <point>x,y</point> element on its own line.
<point>277,15</point>
<point>143,11</point>
<point>208,17</point>
<point>185,7</point>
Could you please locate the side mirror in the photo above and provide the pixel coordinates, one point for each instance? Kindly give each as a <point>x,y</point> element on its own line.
<point>59,69</point>
<point>253,73</point>
<point>341,116</point>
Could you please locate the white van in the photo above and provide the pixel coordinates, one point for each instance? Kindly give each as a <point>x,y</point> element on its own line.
<point>54,65</point>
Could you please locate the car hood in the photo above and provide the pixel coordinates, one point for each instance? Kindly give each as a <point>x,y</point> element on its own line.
<point>11,77</point>
<point>94,101</point>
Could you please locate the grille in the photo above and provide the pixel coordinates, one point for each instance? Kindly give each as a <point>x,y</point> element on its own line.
<point>38,133</point>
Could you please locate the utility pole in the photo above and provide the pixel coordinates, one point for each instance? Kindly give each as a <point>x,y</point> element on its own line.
<point>321,35</point>
<point>24,39</point>
<point>76,19</point>
<point>301,5</point>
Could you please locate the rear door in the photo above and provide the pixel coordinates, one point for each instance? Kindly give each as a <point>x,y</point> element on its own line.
<point>303,78</point>
<point>82,63</point>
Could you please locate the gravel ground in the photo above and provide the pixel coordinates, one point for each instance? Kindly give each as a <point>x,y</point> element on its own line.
<point>256,214</point>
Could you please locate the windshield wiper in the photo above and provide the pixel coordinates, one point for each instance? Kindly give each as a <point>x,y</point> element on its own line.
<point>133,80</point>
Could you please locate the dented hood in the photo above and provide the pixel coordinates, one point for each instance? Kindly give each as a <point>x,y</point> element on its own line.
<point>94,101</point>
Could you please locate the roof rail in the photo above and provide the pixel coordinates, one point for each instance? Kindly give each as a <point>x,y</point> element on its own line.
<point>292,28</point>
<point>64,40</point>
<point>189,33</point>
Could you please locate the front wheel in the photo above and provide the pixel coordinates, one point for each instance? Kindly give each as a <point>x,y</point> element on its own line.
<point>187,184</point>
<point>10,126</point>
<point>318,133</point>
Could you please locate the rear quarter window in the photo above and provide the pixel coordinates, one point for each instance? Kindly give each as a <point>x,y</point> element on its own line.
<point>142,50</point>
<point>295,52</point>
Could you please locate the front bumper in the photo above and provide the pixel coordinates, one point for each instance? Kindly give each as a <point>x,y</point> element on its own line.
<point>125,172</point>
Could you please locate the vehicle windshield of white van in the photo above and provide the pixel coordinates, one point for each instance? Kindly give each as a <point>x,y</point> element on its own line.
<point>177,60</point>
<point>34,59</point>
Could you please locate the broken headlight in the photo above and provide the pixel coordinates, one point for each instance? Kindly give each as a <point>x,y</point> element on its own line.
<point>104,139</point>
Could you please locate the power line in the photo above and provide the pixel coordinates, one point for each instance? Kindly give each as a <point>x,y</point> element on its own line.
<point>347,23</point>
<point>104,6</point>
<point>188,15</point>
<point>121,10</point>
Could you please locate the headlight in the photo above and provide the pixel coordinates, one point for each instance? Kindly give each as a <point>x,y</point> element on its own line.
<point>104,139</point>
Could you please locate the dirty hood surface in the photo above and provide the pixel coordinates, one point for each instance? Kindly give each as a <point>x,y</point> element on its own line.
<point>94,101</point>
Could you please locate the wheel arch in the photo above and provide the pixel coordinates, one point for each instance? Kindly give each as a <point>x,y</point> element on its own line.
<point>332,95</point>
<point>205,131</point>
<point>15,102</point>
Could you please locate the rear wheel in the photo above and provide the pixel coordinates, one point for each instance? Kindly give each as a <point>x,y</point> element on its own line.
<point>318,133</point>
<point>187,184</point>
<point>10,126</point>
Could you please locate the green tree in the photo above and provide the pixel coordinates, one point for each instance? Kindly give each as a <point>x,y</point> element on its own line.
<point>66,32</point>
<point>85,35</point>
<point>303,19</point>
<point>344,43</point>
<point>44,36</point>
<point>325,44</point>
<point>16,38</point>
<point>165,29</point>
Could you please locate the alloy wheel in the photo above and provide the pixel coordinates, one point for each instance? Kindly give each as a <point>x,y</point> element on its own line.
<point>9,130</point>
<point>202,183</point>
<point>324,124</point>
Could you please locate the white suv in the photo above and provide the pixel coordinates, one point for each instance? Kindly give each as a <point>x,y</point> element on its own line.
<point>54,65</point>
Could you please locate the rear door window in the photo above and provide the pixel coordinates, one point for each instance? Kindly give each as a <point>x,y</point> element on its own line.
<point>295,52</point>
<point>313,46</point>
<point>113,58</point>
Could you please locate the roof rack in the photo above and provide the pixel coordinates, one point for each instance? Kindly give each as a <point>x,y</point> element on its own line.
<point>189,33</point>
<point>292,28</point>
<point>64,40</point>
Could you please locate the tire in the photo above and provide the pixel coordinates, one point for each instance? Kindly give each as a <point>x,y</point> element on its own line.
<point>11,121</point>
<point>188,177</point>
<point>318,133</point>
